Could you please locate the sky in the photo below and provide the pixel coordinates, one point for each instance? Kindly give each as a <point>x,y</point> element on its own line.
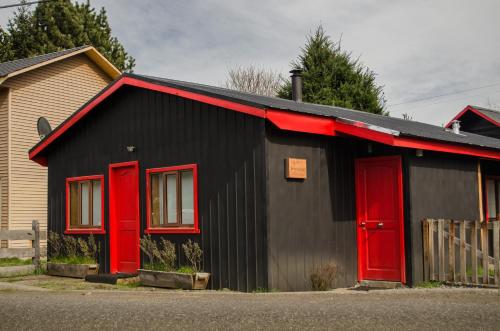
<point>432,57</point>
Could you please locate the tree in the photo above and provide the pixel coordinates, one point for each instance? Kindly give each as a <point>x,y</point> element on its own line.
<point>58,25</point>
<point>332,77</point>
<point>253,79</point>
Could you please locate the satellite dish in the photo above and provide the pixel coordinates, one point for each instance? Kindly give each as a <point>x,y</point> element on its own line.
<point>43,127</point>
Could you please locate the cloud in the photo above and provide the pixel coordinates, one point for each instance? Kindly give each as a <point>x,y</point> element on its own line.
<point>418,49</point>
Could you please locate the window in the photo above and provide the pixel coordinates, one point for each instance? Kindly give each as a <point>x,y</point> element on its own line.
<point>85,204</point>
<point>172,200</point>
<point>492,189</point>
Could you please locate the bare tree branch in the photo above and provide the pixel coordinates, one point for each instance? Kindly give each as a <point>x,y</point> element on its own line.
<point>253,79</point>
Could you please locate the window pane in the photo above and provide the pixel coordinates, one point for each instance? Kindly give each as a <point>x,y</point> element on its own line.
<point>187,198</point>
<point>172,198</point>
<point>96,203</point>
<point>85,202</point>
<point>156,199</point>
<point>73,203</point>
<point>490,204</point>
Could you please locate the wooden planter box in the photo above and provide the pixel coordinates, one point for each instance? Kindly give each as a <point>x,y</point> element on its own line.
<point>197,281</point>
<point>72,270</point>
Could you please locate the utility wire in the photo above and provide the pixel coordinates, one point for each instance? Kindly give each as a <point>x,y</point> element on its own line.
<point>440,95</point>
<point>24,4</point>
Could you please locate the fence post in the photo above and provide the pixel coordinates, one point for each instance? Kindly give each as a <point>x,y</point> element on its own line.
<point>441,268</point>
<point>473,239</point>
<point>496,252</point>
<point>463,256</point>
<point>425,232</point>
<point>484,249</point>
<point>432,275</point>
<point>451,251</point>
<point>36,244</point>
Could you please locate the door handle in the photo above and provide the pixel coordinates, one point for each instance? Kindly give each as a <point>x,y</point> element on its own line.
<point>362,224</point>
<point>380,225</point>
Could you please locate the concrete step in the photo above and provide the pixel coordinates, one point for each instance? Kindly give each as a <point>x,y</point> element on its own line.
<point>378,285</point>
<point>119,278</point>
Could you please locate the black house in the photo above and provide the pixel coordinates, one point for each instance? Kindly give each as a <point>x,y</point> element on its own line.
<point>270,188</point>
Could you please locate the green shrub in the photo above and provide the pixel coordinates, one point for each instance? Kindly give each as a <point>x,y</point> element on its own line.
<point>68,249</point>
<point>159,258</point>
<point>55,244</point>
<point>70,246</point>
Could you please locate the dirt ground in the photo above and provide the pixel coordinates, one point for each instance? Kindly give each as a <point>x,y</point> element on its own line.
<point>45,302</point>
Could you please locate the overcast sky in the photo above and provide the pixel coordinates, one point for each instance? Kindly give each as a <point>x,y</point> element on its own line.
<point>419,49</point>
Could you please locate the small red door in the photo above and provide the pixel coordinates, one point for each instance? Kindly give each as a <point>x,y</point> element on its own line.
<point>379,208</point>
<point>124,217</point>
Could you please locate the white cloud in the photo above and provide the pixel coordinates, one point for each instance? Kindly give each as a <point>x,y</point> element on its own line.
<point>418,48</point>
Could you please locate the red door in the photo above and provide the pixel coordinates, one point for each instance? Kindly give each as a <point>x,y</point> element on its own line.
<point>124,217</point>
<point>379,208</point>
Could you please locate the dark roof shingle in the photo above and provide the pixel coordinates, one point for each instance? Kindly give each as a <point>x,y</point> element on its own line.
<point>13,66</point>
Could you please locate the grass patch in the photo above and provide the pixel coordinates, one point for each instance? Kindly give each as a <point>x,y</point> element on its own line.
<point>430,284</point>
<point>73,260</point>
<point>129,285</point>
<point>13,261</point>
<point>161,267</point>
<point>480,271</point>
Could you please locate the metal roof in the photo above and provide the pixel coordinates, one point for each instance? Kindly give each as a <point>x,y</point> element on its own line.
<point>16,65</point>
<point>397,125</point>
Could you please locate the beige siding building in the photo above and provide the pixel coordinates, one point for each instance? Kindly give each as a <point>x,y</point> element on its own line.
<point>53,86</point>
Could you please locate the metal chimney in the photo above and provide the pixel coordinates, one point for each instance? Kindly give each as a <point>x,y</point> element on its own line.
<point>296,84</point>
<point>455,125</point>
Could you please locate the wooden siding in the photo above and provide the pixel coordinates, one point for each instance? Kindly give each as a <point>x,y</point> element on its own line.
<point>167,130</point>
<point>311,221</point>
<point>54,91</point>
<point>4,158</point>
<point>439,186</point>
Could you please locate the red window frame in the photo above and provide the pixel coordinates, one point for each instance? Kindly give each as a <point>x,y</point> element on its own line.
<point>93,230</point>
<point>496,179</point>
<point>195,229</point>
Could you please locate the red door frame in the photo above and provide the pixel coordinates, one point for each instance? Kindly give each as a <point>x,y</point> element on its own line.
<point>361,260</point>
<point>113,237</point>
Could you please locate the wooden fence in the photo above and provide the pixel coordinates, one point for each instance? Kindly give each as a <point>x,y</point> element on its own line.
<point>462,252</point>
<point>35,235</point>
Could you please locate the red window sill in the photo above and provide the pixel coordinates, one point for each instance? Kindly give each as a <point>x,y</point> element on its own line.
<point>84,231</point>
<point>171,230</point>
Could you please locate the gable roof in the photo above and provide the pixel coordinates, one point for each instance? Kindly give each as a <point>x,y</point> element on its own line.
<point>16,67</point>
<point>490,115</point>
<point>298,116</point>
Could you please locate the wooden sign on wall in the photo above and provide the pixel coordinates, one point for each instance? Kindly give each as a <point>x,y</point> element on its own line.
<point>295,168</point>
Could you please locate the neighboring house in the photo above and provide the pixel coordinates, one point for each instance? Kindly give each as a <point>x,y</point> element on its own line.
<point>53,86</point>
<point>270,188</point>
<point>478,120</point>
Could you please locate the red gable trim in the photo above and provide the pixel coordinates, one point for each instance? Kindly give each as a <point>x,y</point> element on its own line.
<point>282,119</point>
<point>475,111</point>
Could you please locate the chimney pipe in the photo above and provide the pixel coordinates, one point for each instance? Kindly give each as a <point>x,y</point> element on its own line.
<point>296,84</point>
<point>455,125</point>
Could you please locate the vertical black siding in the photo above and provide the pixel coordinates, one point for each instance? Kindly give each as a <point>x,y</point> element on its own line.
<point>440,186</point>
<point>471,122</point>
<point>167,130</point>
<point>311,222</point>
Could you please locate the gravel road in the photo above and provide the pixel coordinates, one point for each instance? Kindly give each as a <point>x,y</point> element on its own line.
<point>402,309</point>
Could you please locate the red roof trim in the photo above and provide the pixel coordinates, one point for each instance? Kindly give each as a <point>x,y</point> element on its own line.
<point>475,111</point>
<point>301,122</point>
<point>282,119</point>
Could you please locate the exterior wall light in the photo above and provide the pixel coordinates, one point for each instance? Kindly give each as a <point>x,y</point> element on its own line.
<point>130,149</point>
<point>419,153</point>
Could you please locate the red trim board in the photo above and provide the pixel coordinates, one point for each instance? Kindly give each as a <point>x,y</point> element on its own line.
<point>475,111</point>
<point>95,230</point>
<point>195,228</point>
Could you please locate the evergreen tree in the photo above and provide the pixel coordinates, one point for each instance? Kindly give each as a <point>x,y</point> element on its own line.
<point>331,77</point>
<point>58,25</point>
